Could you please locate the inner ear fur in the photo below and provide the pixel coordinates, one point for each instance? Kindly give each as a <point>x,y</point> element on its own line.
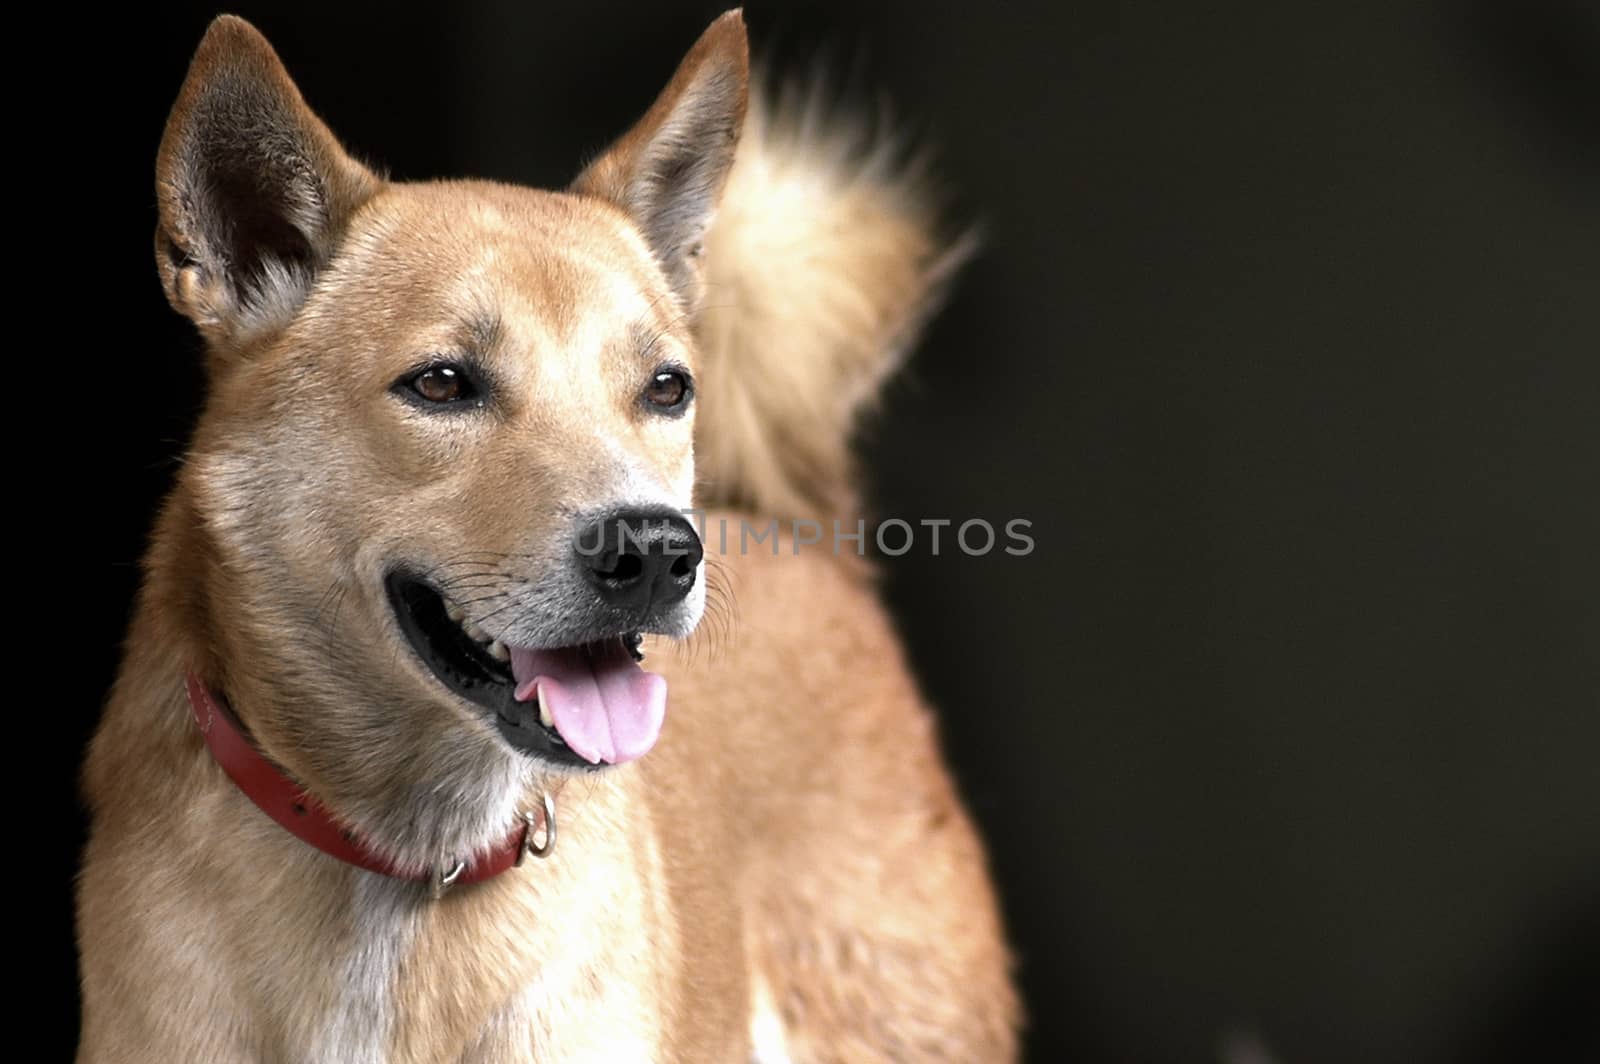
<point>253,191</point>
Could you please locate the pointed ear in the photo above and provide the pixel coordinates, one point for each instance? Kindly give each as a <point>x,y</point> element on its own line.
<point>668,171</point>
<point>253,190</point>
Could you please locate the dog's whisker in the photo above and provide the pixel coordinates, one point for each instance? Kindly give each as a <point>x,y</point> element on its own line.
<point>456,591</point>
<point>469,603</point>
<point>495,613</point>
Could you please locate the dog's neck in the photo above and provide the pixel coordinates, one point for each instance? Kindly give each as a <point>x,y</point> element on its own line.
<point>298,812</point>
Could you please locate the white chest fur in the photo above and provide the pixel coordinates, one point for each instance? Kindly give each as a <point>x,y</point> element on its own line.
<point>567,964</point>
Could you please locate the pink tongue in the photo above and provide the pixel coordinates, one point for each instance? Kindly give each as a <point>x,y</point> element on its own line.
<point>604,705</point>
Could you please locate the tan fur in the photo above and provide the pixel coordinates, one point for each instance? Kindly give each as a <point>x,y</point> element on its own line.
<point>791,857</point>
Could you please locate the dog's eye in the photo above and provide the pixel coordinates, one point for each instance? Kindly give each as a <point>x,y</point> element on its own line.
<point>442,384</point>
<point>669,390</point>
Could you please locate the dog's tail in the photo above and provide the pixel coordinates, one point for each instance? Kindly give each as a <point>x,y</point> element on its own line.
<point>825,259</point>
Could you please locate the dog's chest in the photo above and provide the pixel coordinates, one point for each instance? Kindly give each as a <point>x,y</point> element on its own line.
<point>574,1012</point>
<point>563,967</point>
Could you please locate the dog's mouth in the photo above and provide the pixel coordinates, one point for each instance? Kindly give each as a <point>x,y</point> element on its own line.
<point>577,705</point>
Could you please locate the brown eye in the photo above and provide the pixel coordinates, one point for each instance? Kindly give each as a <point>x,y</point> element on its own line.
<point>669,391</point>
<point>444,384</point>
<point>441,385</point>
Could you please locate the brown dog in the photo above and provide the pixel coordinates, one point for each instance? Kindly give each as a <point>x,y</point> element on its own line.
<point>395,600</point>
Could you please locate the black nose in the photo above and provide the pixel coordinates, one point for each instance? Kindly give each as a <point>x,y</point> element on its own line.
<point>639,558</point>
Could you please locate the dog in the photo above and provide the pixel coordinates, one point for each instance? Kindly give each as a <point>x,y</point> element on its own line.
<point>389,770</point>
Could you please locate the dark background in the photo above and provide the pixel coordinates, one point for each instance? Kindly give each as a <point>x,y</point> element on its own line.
<point>1287,340</point>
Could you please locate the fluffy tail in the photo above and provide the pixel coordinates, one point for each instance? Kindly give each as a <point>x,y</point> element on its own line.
<point>824,261</point>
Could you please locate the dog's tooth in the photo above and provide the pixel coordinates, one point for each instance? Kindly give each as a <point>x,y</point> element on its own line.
<point>498,651</point>
<point>474,631</point>
<point>454,612</point>
<point>544,711</point>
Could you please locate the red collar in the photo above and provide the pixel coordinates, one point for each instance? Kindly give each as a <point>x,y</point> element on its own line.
<point>285,801</point>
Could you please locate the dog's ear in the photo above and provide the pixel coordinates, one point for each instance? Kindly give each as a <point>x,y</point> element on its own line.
<point>253,190</point>
<point>668,171</point>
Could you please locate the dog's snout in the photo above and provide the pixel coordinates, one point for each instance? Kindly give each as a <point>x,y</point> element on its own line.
<point>639,558</point>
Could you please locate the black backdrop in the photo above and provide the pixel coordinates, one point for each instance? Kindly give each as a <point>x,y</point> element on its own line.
<point>1287,340</point>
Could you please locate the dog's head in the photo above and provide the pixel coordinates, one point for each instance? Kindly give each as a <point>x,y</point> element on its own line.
<point>448,443</point>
